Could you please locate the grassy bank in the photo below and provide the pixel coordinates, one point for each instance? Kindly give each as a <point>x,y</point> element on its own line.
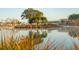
<point>37,26</point>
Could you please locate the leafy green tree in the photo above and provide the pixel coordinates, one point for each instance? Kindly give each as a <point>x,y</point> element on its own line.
<point>30,14</point>
<point>73,17</point>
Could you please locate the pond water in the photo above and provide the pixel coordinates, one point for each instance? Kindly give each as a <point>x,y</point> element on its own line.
<point>60,38</point>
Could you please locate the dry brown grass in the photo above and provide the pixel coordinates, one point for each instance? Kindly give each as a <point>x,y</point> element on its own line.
<point>26,43</point>
<point>12,44</point>
<point>76,47</point>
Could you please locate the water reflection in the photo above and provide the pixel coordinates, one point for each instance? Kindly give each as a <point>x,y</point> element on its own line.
<point>74,34</point>
<point>60,37</point>
<point>38,35</point>
<point>72,31</point>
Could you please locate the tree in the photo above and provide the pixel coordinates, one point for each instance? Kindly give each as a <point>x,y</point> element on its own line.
<point>31,13</point>
<point>73,17</point>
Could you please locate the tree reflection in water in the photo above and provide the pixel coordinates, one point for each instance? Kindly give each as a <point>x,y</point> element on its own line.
<point>74,34</point>
<point>37,35</point>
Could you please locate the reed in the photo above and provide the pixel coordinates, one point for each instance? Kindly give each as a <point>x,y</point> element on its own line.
<point>76,47</point>
<point>27,43</point>
<point>24,43</point>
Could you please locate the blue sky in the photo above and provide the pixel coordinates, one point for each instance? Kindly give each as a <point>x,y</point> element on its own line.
<point>50,13</point>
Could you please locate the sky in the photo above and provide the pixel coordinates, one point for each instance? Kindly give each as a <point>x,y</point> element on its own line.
<point>52,14</point>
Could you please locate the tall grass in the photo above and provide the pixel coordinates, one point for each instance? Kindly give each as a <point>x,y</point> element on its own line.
<point>11,44</point>
<point>24,43</point>
<point>76,47</point>
<point>27,43</point>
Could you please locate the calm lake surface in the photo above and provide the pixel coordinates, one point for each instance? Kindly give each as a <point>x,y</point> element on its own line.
<point>59,37</point>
